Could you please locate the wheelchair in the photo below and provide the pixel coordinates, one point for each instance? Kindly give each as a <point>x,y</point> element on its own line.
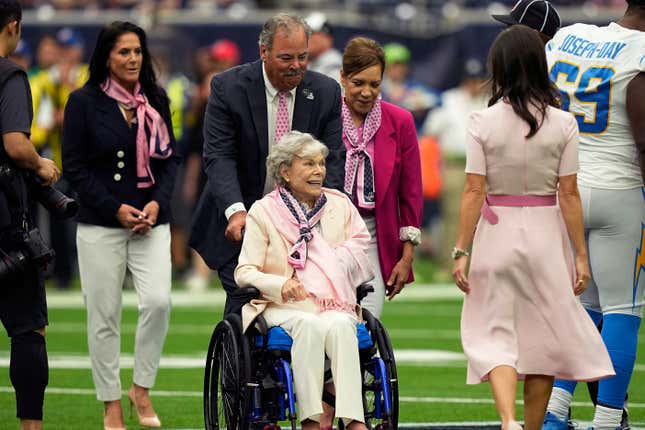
<point>248,383</point>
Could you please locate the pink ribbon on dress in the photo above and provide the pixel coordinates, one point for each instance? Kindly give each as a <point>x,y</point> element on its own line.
<point>158,145</point>
<point>521,200</point>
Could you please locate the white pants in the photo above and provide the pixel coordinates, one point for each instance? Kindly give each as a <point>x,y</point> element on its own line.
<point>373,302</point>
<point>330,332</point>
<point>103,256</point>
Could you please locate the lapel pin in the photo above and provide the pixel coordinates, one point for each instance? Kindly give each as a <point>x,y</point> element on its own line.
<point>308,94</point>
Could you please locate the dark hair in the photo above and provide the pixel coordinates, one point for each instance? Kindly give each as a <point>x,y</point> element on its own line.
<point>517,62</point>
<point>10,10</point>
<point>99,71</point>
<point>362,53</point>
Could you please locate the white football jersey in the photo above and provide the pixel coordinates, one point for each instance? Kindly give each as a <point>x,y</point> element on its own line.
<point>592,66</point>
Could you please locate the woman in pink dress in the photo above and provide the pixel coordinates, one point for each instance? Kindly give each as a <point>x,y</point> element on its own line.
<point>521,319</point>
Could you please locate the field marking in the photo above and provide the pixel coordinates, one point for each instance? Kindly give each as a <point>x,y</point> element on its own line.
<point>207,329</point>
<point>216,297</point>
<point>404,399</point>
<point>81,361</point>
<point>404,357</point>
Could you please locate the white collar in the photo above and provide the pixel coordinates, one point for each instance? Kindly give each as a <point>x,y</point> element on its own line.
<point>271,90</point>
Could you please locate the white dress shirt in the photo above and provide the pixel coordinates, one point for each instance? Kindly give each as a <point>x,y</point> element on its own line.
<point>272,100</point>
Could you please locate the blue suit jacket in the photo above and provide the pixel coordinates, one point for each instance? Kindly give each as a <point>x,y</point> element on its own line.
<point>99,159</point>
<point>236,147</point>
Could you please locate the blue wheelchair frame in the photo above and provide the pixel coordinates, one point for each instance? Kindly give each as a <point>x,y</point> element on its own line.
<point>260,361</point>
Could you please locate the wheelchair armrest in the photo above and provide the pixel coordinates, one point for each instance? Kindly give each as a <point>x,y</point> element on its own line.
<point>242,296</point>
<point>362,291</point>
<point>246,293</point>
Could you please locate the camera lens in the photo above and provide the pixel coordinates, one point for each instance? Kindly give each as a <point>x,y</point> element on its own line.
<point>56,202</point>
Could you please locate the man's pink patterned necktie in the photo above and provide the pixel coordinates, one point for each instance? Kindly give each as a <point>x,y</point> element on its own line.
<point>281,117</point>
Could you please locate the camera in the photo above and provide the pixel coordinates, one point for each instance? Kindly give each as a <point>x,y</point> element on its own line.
<point>23,246</point>
<point>53,200</point>
<point>31,249</point>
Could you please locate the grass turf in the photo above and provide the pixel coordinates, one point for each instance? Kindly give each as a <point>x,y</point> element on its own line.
<point>427,324</point>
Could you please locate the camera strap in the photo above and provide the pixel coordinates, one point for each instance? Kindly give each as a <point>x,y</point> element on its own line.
<point>14,187</point>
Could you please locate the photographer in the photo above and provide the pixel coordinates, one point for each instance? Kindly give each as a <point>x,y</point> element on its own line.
<point>23,307</point>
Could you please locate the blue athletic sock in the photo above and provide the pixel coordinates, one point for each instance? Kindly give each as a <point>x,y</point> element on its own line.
<point>620,334</point>
<point>569,386</point>
<point>596,317</point>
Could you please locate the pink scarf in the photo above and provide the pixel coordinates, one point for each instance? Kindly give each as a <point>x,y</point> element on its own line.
<point>158,145</point>
<point>330,274</point>
<point>359,167</point>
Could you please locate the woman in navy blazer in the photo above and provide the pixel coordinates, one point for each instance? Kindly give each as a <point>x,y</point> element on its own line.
<point>118,153</point>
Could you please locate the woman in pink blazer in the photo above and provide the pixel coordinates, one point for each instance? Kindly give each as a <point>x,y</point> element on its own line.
<point>382,171</point>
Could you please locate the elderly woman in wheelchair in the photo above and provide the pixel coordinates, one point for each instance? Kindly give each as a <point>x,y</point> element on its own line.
<point>302,257</point>
<point>304,249</point>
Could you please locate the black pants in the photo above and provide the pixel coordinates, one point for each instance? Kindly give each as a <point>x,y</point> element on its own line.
<point>29,373</point>
<point>23,304</point>
<point>225,274</point>
<point>23,309</point>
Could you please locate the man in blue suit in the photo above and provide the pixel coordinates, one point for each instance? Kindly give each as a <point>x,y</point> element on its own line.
<point>249,108</point>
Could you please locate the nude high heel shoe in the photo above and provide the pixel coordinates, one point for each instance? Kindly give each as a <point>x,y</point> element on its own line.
<point>150,421</point>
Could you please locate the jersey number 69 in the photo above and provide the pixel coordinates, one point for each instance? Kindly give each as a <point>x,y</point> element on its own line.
<point>592,87</point>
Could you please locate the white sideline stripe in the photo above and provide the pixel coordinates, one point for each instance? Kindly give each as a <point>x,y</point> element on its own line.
<point>405,399</point>
<point>409,357</point>
<point>404,357</point>
<point>63,361</point>
<point>184,298</point>
<point>207,329</point>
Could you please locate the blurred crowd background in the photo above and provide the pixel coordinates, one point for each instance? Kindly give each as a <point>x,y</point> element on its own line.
<point>435,55</point>
<point>264,4</point>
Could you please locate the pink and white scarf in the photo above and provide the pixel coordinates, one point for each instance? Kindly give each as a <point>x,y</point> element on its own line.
<point>359,167</point>
<point>317,264</point>
<point>158,145</point>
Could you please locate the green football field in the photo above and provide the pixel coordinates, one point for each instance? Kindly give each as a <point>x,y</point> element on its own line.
<point>423,324</point>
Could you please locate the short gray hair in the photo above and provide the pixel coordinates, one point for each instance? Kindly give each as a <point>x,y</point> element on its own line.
<point>284,21</point>
<point>292,144</point>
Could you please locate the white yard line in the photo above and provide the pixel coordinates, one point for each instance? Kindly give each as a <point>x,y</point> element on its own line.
<point>207,329</point>
<point>404,357</point>
<point>81,361</point>
<point>404,399</point>
<point>183,298</point>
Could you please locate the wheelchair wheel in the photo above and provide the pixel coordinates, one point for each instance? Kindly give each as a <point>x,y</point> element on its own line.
<point>226,375</point>
<point>376,416</point>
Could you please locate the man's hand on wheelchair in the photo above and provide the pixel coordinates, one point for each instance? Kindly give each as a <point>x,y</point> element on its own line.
<point>293,291</point>
<point>235,229</point>
<point>398,277</point>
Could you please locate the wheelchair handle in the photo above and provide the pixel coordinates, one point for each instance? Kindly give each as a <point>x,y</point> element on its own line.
<point>362,291</point>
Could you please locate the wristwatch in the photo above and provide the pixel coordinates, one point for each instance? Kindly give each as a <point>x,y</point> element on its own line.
<point>458,252</point>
